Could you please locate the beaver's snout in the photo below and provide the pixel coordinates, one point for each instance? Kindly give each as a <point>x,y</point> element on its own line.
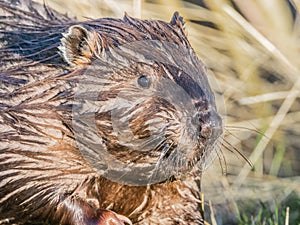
<point>210,124</point>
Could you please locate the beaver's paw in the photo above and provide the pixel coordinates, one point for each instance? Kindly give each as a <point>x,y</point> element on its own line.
<point>77,211</point>
<point>107,217</point>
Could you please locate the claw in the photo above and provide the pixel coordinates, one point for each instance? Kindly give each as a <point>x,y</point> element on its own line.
<point>124,219</point>
<point>108,217</point>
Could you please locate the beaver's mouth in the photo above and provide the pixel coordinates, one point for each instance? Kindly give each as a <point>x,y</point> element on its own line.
<point>194,152</point>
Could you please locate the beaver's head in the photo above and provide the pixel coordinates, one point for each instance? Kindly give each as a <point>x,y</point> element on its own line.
<point>143,109</point>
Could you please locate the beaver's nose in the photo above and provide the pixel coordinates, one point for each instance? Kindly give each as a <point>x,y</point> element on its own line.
<point>207,121</point>
<point>205,130</point>
<point>201,119</point>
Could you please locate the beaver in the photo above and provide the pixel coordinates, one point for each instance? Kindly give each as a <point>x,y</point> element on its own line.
<point>105,121</point>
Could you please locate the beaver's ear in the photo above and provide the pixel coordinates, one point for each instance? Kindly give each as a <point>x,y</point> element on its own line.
<point>177,21</point>
<point>79,45</point>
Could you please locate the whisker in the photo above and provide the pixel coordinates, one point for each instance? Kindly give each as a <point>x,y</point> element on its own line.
<point>209,154</point>
<point>228,146</point>
<point>222,160</point>
<point>181,161</point>
<point>157,147</point>
<point>233,135</point>
<point>166,150</point>
<point>160,144</point>
<point>245,128</point>
<point>161,156</point>
<point>156,169</point>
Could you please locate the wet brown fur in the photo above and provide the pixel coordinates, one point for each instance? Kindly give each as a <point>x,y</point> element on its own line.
<point>43,179</point>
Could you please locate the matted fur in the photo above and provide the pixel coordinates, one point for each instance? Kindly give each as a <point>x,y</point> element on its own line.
<point>44,178</point>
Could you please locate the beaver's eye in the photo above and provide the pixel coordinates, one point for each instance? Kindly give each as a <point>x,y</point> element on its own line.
<point>144,81</point>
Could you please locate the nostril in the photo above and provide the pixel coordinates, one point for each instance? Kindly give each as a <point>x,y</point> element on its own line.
<point>201,117</point>
<point>205,116</point>
<point>205,131</point>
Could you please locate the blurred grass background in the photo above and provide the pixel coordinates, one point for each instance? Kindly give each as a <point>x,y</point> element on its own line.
<point>252,51</point>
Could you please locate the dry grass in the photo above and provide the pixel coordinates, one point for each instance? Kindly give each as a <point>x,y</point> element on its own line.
<point>254,66</point>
